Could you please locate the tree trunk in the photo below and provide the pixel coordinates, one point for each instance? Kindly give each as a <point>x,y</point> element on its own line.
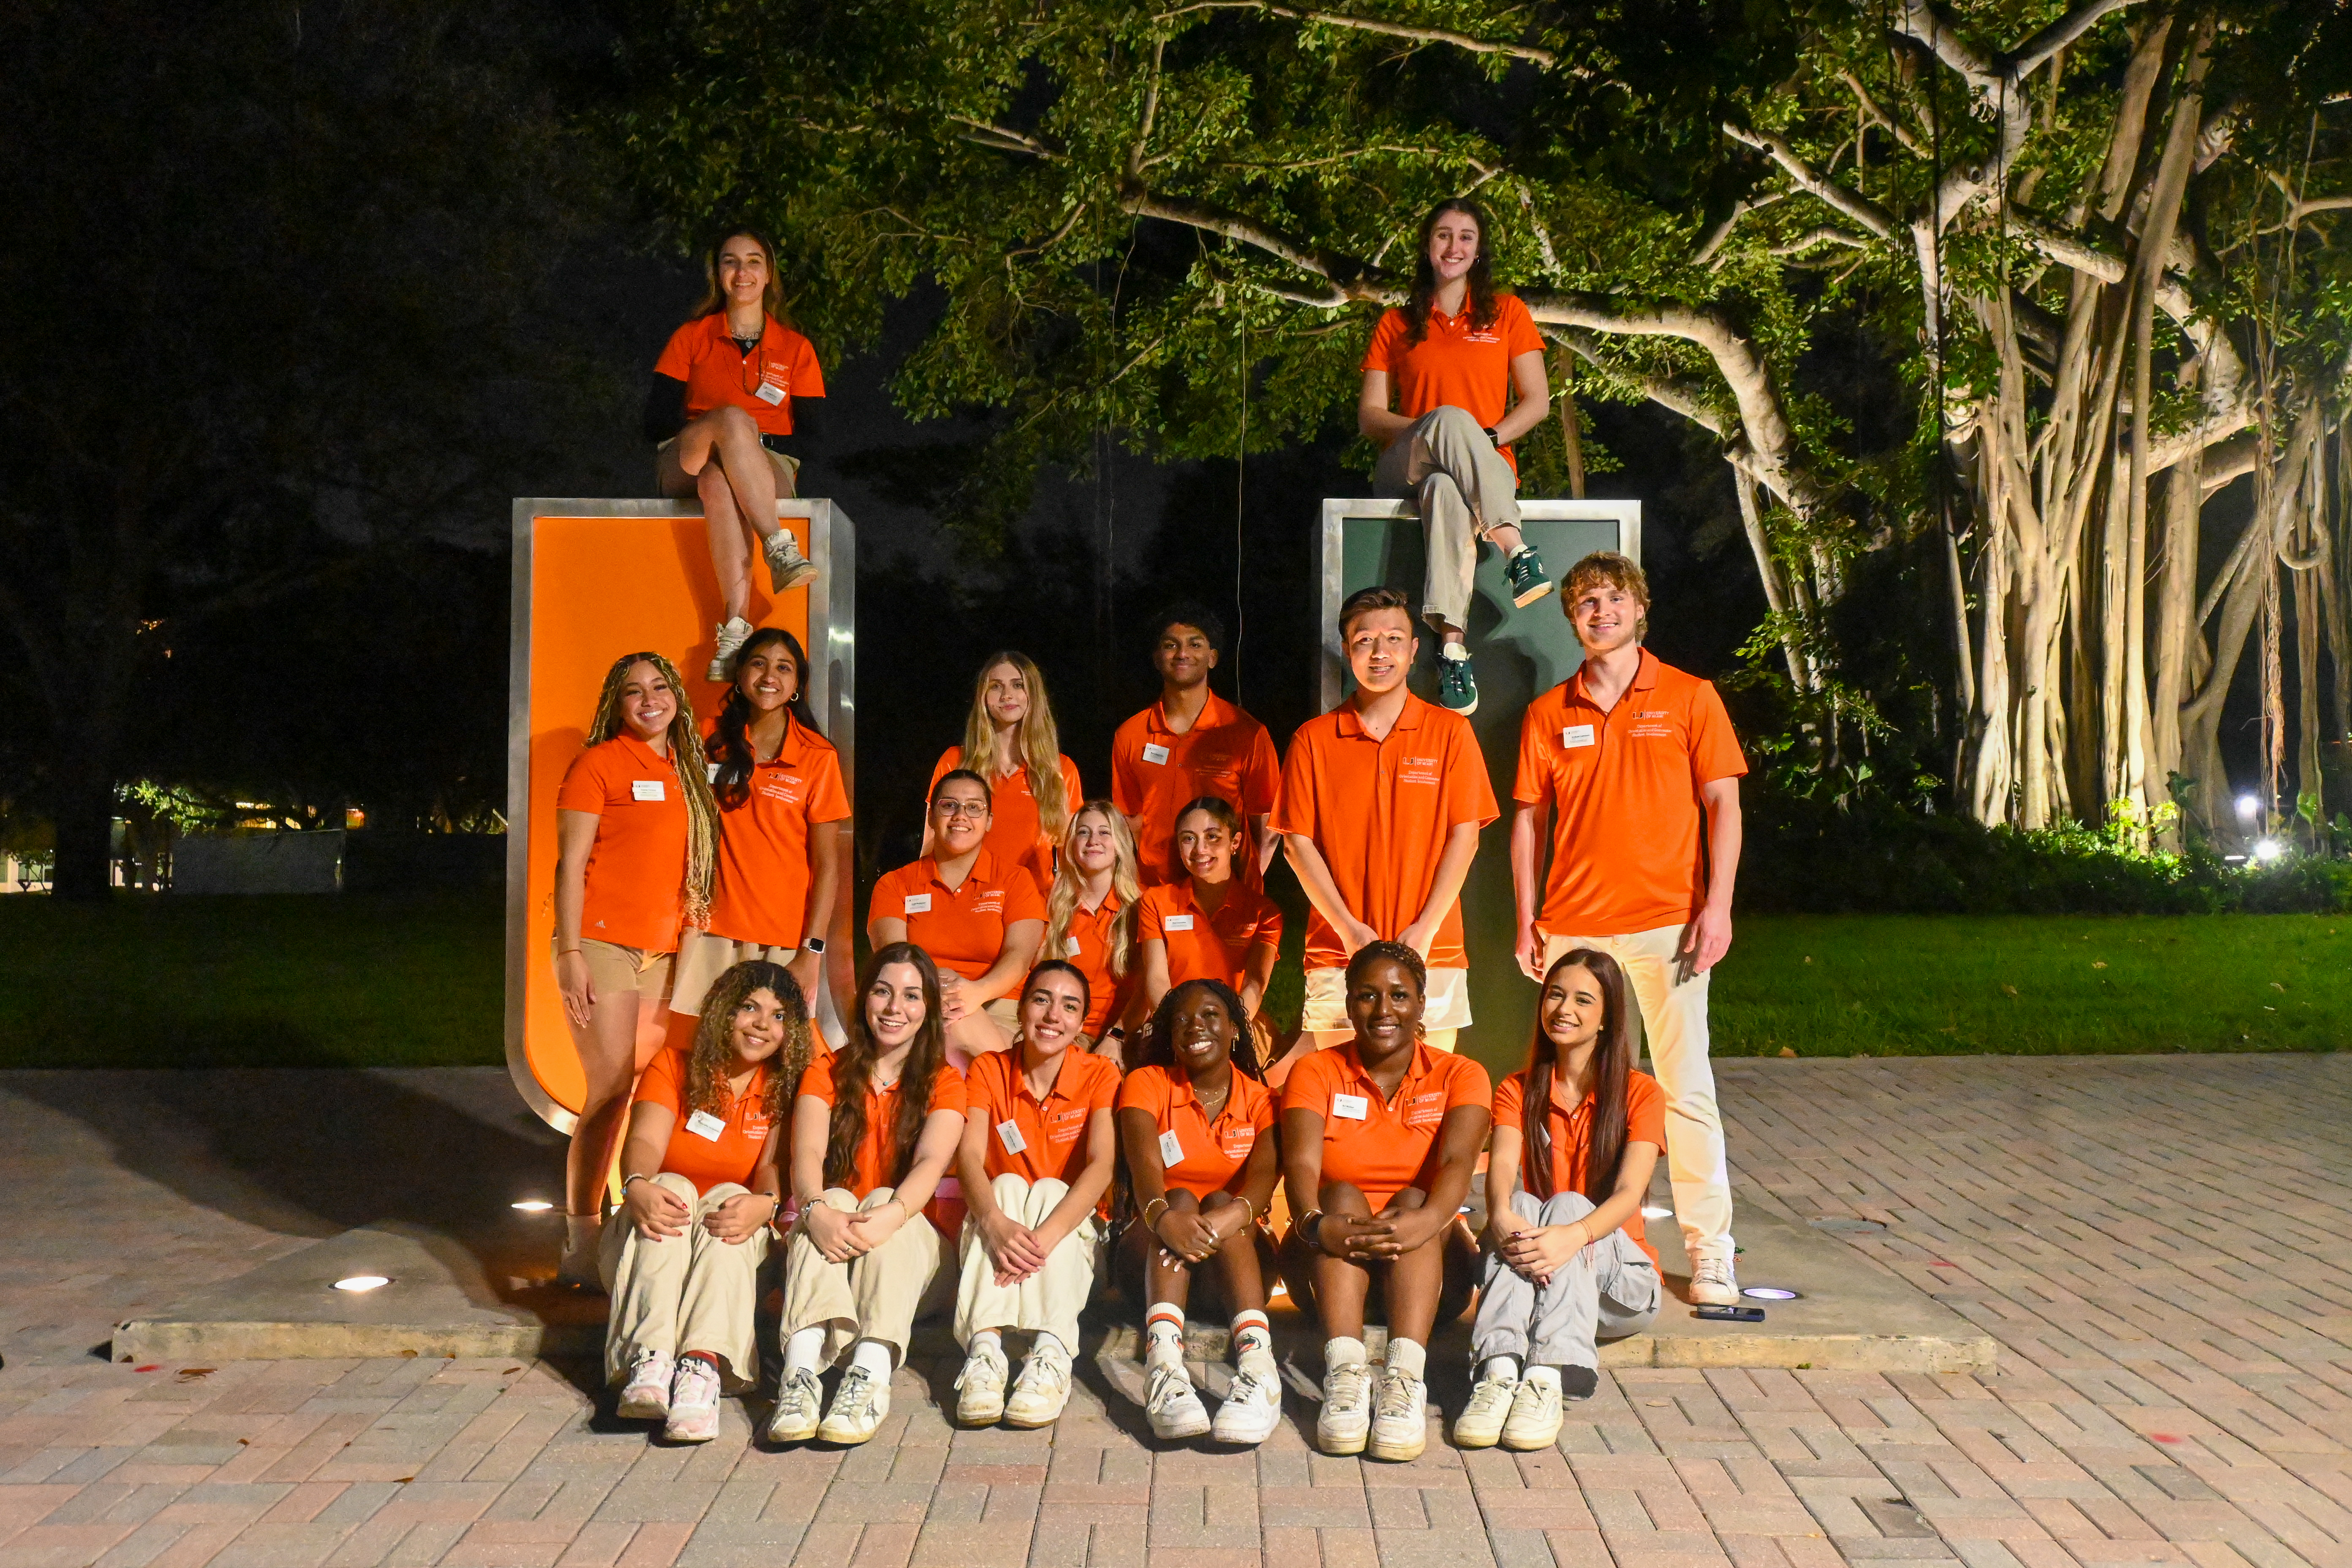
<point>81,804</point>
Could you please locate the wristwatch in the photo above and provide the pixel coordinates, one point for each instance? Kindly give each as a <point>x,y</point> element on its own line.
<point>1492,435</point>
<point>813,944</point>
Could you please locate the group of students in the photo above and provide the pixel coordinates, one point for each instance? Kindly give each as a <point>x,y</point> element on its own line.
<point>1055,1065</point>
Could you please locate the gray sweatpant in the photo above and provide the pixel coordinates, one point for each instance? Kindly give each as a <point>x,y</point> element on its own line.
<point>1467,490</point>
<point>1606,1291</point>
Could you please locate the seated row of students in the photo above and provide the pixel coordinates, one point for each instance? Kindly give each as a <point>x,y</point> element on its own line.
<point>1375,1143</point>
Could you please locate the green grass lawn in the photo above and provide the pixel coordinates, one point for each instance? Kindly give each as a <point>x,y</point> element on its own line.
<point>355,980</point>
<point>2022,984</point>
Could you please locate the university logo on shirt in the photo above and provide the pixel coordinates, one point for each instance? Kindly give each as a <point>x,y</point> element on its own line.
<point>784,787</point>
<point>1419,770</point>
<point>1240,1140</point>
<point>1425,1109</point>
<point>990,903</point>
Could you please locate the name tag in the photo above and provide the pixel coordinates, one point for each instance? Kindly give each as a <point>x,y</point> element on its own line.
<point>770,393</point>
<point>646,789</point>
<point>702,1124</point>
<point>1073,950</point>
<point>1152,753</point>
<point>1576,735</point>
<point>917,904</point>
<point>1177,922</point>
<point>1008,1132</point>
<point>1352,1107</point>
<point>1172,1150</point>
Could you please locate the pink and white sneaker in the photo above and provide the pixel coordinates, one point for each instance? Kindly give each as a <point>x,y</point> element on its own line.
<point>693,1403</point>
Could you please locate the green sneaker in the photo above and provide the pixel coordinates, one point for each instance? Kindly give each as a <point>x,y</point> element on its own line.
<point>1525,572</point>
<point>1457,688</point>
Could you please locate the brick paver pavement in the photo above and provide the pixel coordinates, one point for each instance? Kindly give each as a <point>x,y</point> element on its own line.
<point>2159,1245</point>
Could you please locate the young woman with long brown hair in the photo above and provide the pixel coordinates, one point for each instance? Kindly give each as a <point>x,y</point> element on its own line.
<point>1011,740</point>
<point>1452,357</point>
<point>874,1129</point>
<point>699,1188</point>
<point>636,837</point>
<point>1090,918</point>
<point>784,818</point>
<point>736,405</point>
<point>1209,923</point>
<point>1577,1133</point>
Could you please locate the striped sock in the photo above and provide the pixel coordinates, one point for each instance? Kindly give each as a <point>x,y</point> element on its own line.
<point>1251,1333</point>
<point>1163,1334</point>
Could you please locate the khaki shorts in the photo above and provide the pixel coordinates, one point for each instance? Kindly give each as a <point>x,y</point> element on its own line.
<point>613,968</point>
<point>705,958</point>
<point>1006,1012</point>
<point>1447,1005</point>
<point>675,483</point>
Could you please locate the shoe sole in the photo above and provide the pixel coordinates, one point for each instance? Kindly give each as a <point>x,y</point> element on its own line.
<point>804,571</point>
<point>1523,1445</point>
<point>1463,712</point>
<point>1540,590</point>
<point>1177,1434</point>
<point>1340,1447</point>
<point>798,1435</point>
<point>641,1410</point>
<point>1396,1454</point>
<point>1030,1423</point>
<point>847,1440</point>
<point>1476,1439</point>
<point>980,1418</point>
<point>716,674</point>
<point>671,1436</point>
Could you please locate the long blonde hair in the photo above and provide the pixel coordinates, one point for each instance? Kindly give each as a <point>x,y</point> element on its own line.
<point>1036,743</point>
<point>693,777</point>
<point>1069,883</point>
<point>709,1063</point>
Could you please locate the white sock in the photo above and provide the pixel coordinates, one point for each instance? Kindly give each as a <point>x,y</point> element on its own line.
<point>986,1338</point>
<point>1408,1358</point>
<point>1344,1352</point>
<point>1042,1339</point>
<point>875,1357</point>
<point>1163,1335</point>
<point>1503,1367</point>
<point>1455,650</point>
<point>801,1350</point>
<point>1548,1375</point>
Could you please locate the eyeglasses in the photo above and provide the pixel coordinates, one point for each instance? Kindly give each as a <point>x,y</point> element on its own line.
<point>972,808</point>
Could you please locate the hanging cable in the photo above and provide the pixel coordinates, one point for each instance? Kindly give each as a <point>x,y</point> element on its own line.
<point>1241,459</point>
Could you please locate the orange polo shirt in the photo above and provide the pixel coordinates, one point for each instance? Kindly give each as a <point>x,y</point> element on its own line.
<point>961,928</point>
<point>706,1155</point>
<point>1155,773</point>
<point>636,875</point>
<point>1571,1133</point>
<point>762,890</point>
<point>1383,1146</point>
<point>1454,366</point>
<point>878,1153</point>
<point>1052,1132</point>
<point>1378,811</point>
<point>1215,1148</point>
<point>1087,945</point>
<point>1207,946</point>
<point>762,383</point>
<point>1624,790</point>
<point>1015,831</point>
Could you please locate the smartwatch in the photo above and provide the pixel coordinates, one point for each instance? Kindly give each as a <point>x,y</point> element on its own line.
<point>1492,435</point>
<point>813,944</point>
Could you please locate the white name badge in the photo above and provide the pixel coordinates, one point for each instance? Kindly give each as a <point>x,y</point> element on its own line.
<point>1152,753</point>
<point>702,1124</point>
<point>770,393</point>
<point>1172,1150</point>
<point>1352,1107</point>
<point>646,789</point>
<point>711,771</point>
<point>1576,735</point>
<point>918,904</point>
<point>1009,1134</point>
<point>1073,950</point>
<point>1177,922</point>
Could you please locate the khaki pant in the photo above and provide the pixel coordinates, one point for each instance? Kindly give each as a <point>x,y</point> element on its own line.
<point>1674,1025</point>
<point>1609,1289</point>
<point>1445,1004</point>
<point>1465,489</point>
<point>1050,1298</point>
<point>703,958</point>
<point>613,969</point>
<point>872,1297</point>
<point>690,1292</point>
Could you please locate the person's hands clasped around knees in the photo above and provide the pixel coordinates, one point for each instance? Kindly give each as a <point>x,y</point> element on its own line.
<point>739,1217</point>
<point>658,1213</point>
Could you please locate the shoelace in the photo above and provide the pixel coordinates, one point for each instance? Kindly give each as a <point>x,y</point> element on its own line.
<point>800,1390</point>
<point>1495,1392</point>
<point>1711,1271</point>
<point>1048,1367</point>
<point>1167,1385</point>
<point>1349,1386</point>
<point>1396,1398</point>
<point>856,1393</point>
<point>1247,1389</point>
<point>646,1360</point>
<point>983,1370</point>
<point>697,1373</point>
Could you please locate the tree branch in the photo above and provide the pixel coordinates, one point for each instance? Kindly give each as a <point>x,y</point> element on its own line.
<point>1528,52</point>
<point>1862,210</point>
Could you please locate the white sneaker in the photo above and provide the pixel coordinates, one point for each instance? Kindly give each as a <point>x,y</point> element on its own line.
<point>858,1406</point>
<point>732,635</point>
<point>1044,1387</point>
<point>1175,1407</point>
<point>787,567</point>
<point>693,1403</point>
<point>980,1387</point>
<point>1253,1409</point>
<point>646,1396</point>
<point>1399,1418</point>
<point>1713,1282</point>
<point>800,1403</point>
<point>1346,1418</point>
<point>1536,1416</point>
<point>1480,1425</point>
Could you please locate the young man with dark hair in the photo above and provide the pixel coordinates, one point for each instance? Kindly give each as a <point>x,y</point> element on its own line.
<point>1638,762</point>
<point>1383,799</point>
<point>1189,744</point>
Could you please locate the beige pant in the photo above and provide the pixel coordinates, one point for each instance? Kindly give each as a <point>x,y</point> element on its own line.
<point>677,484</point>
<point>872,1297</point>
<point>1444,1007</point>
<point>1467,490</point>
<point>690,1292</point>
<point>1674,1025</point>
<point>1050,1298</point>
<point>703,958</point>
<point>613,969</point>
